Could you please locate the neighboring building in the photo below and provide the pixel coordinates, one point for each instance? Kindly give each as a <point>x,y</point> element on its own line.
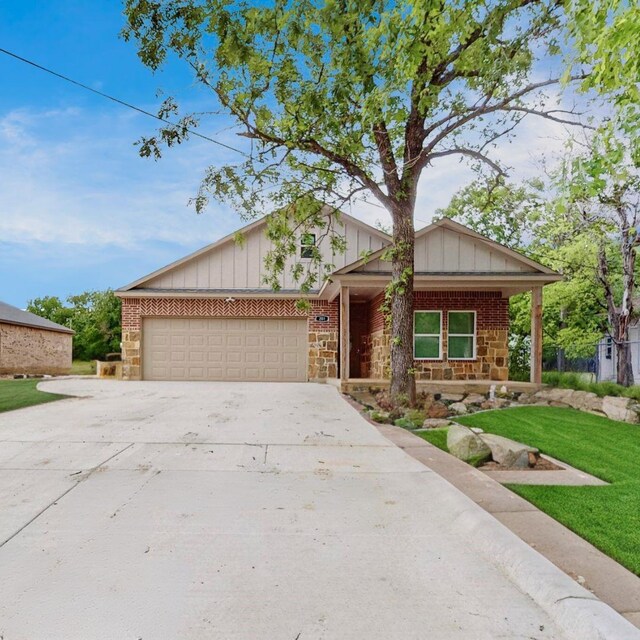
<point>606,359</point>
<point>210,316</point>
<point>31,344</point>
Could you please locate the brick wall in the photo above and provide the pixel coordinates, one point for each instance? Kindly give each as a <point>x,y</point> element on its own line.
<point>492,328</point>
<point>323,336</point>
<point>31,350</point>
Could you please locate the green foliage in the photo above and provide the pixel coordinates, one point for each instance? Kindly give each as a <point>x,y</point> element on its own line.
<point>95,316</point>
<point>605,38</point>
<point>499,210</point>
<point>381,417</point>
<point>606,516</point>
<point>577,381</point>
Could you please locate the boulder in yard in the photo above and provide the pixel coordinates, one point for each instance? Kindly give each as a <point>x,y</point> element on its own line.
<point>474,398</point>
<point>496,403</point>
<point>435,423</point>
<point>438,410</point>
<point>466,445</point>
<point>460,408</point>
<point>618,408</point>
<point>509,453</point>
<point>451,397</point>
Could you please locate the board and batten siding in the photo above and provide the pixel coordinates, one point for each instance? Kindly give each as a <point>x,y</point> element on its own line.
<point>241,265</point>
<point>445,251</point>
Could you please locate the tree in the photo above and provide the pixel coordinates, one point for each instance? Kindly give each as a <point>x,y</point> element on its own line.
<point>344,99</point>
<point>500,210</point>
<point>526,217</point>
<point>93,315</point>
<point>600,198</point>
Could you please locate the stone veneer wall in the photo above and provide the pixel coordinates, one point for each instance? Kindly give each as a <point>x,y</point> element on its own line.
<point>323,336</point>
<point>32,350</point>
<point>492,329</point>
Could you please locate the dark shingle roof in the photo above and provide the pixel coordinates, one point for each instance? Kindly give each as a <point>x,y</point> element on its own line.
<point>13,315</point>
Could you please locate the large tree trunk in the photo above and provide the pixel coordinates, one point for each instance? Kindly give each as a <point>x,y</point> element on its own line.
<point>624,370</point>
<point>403,385</point>
<point>620,317</point>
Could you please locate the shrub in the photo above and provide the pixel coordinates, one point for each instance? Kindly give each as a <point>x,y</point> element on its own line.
<point>577,381</point>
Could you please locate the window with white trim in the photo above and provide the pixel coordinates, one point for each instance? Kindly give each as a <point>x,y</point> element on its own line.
<point>307,245</point>
<point>427,335</point>
<point>461,340</point>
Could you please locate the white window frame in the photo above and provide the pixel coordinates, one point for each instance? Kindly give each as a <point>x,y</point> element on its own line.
<point>427,335</point>
<point>303,246</point>
<point>464,335</point>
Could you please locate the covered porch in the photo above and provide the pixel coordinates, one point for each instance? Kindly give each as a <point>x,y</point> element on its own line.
<point>469,341</point>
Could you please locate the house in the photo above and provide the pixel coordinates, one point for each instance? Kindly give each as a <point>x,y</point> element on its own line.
<point>209,316</point>
<point>606,358</point>
<point>31,344</point>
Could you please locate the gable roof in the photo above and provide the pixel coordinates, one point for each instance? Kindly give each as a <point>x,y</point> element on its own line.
<point>451,225</point>
<point>253,226</point>
<point>12,315</point>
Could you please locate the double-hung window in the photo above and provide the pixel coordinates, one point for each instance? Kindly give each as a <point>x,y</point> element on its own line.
<point>307,245</point>
<point>461,344</point>
<point>427,335</point>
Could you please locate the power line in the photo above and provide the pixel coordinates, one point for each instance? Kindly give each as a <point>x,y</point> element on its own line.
<point>114,99</point>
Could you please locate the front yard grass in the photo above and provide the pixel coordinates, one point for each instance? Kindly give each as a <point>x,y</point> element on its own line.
<point>608,516</point>
<point>83,368</point>
<point>16,394</point>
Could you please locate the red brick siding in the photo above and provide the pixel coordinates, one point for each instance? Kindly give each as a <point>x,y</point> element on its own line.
<point>492,309</point>
<point>324,308</point>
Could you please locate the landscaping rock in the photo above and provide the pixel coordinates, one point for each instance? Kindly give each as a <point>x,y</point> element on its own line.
<point>509,453</point>
<point>623,409</point>
<point>435,423</point>
<point>451,397</point>
<point>476,429</point>
<point>474,398</point>
<point>466,445</point>
<point>525,398</point>
<point>438,410</point>
<point>458,407</point>
<point>497,403</point>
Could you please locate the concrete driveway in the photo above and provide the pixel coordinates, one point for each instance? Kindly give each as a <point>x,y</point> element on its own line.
<point>252,511</point>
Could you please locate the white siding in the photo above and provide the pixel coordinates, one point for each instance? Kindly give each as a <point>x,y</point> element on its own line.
<point>241,266</point>
<point>444,250</point>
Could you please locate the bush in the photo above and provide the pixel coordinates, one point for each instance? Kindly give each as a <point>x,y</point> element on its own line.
<point>577,381</point>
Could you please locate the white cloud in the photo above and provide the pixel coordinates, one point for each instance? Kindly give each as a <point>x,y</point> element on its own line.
<point>72,177</point>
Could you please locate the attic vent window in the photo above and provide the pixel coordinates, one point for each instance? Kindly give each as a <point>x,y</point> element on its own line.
<point>307,245</point>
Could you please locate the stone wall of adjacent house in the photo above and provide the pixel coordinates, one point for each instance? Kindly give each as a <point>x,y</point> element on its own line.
<point>34,351</point>
<point>323,336</point>
<point>492,328</point>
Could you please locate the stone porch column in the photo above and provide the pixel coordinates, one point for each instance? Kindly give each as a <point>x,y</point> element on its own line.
<point>344,333</point>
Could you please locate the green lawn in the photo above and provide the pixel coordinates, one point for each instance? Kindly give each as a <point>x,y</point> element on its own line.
<point>16,394</point>
<point>83,368</point>
<point>609,516</point>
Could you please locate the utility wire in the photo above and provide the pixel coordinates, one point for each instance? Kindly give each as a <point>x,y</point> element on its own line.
<point>116,100</point>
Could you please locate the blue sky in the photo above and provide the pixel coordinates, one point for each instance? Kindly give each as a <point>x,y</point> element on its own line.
<point>79,209</point>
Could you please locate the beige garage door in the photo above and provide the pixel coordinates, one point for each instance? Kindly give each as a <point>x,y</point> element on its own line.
<point>273,349</point>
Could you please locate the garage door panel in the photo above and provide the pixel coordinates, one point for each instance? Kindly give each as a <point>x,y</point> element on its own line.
<point>225,349</point>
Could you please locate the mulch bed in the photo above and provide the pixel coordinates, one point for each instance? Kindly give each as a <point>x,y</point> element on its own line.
<point>541,465</point>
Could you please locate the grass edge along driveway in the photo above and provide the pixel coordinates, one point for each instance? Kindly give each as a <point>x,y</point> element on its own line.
<point>17,394</point>
<point>607,516</point>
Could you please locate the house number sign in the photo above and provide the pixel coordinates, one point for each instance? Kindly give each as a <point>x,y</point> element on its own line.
<point>322,318</point>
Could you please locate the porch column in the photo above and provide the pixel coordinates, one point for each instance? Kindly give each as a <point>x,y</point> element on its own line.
<point>536,335</point>
<point>344,333</point>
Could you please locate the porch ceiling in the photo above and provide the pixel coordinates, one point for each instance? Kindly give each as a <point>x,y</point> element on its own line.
<point>366,286</point>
